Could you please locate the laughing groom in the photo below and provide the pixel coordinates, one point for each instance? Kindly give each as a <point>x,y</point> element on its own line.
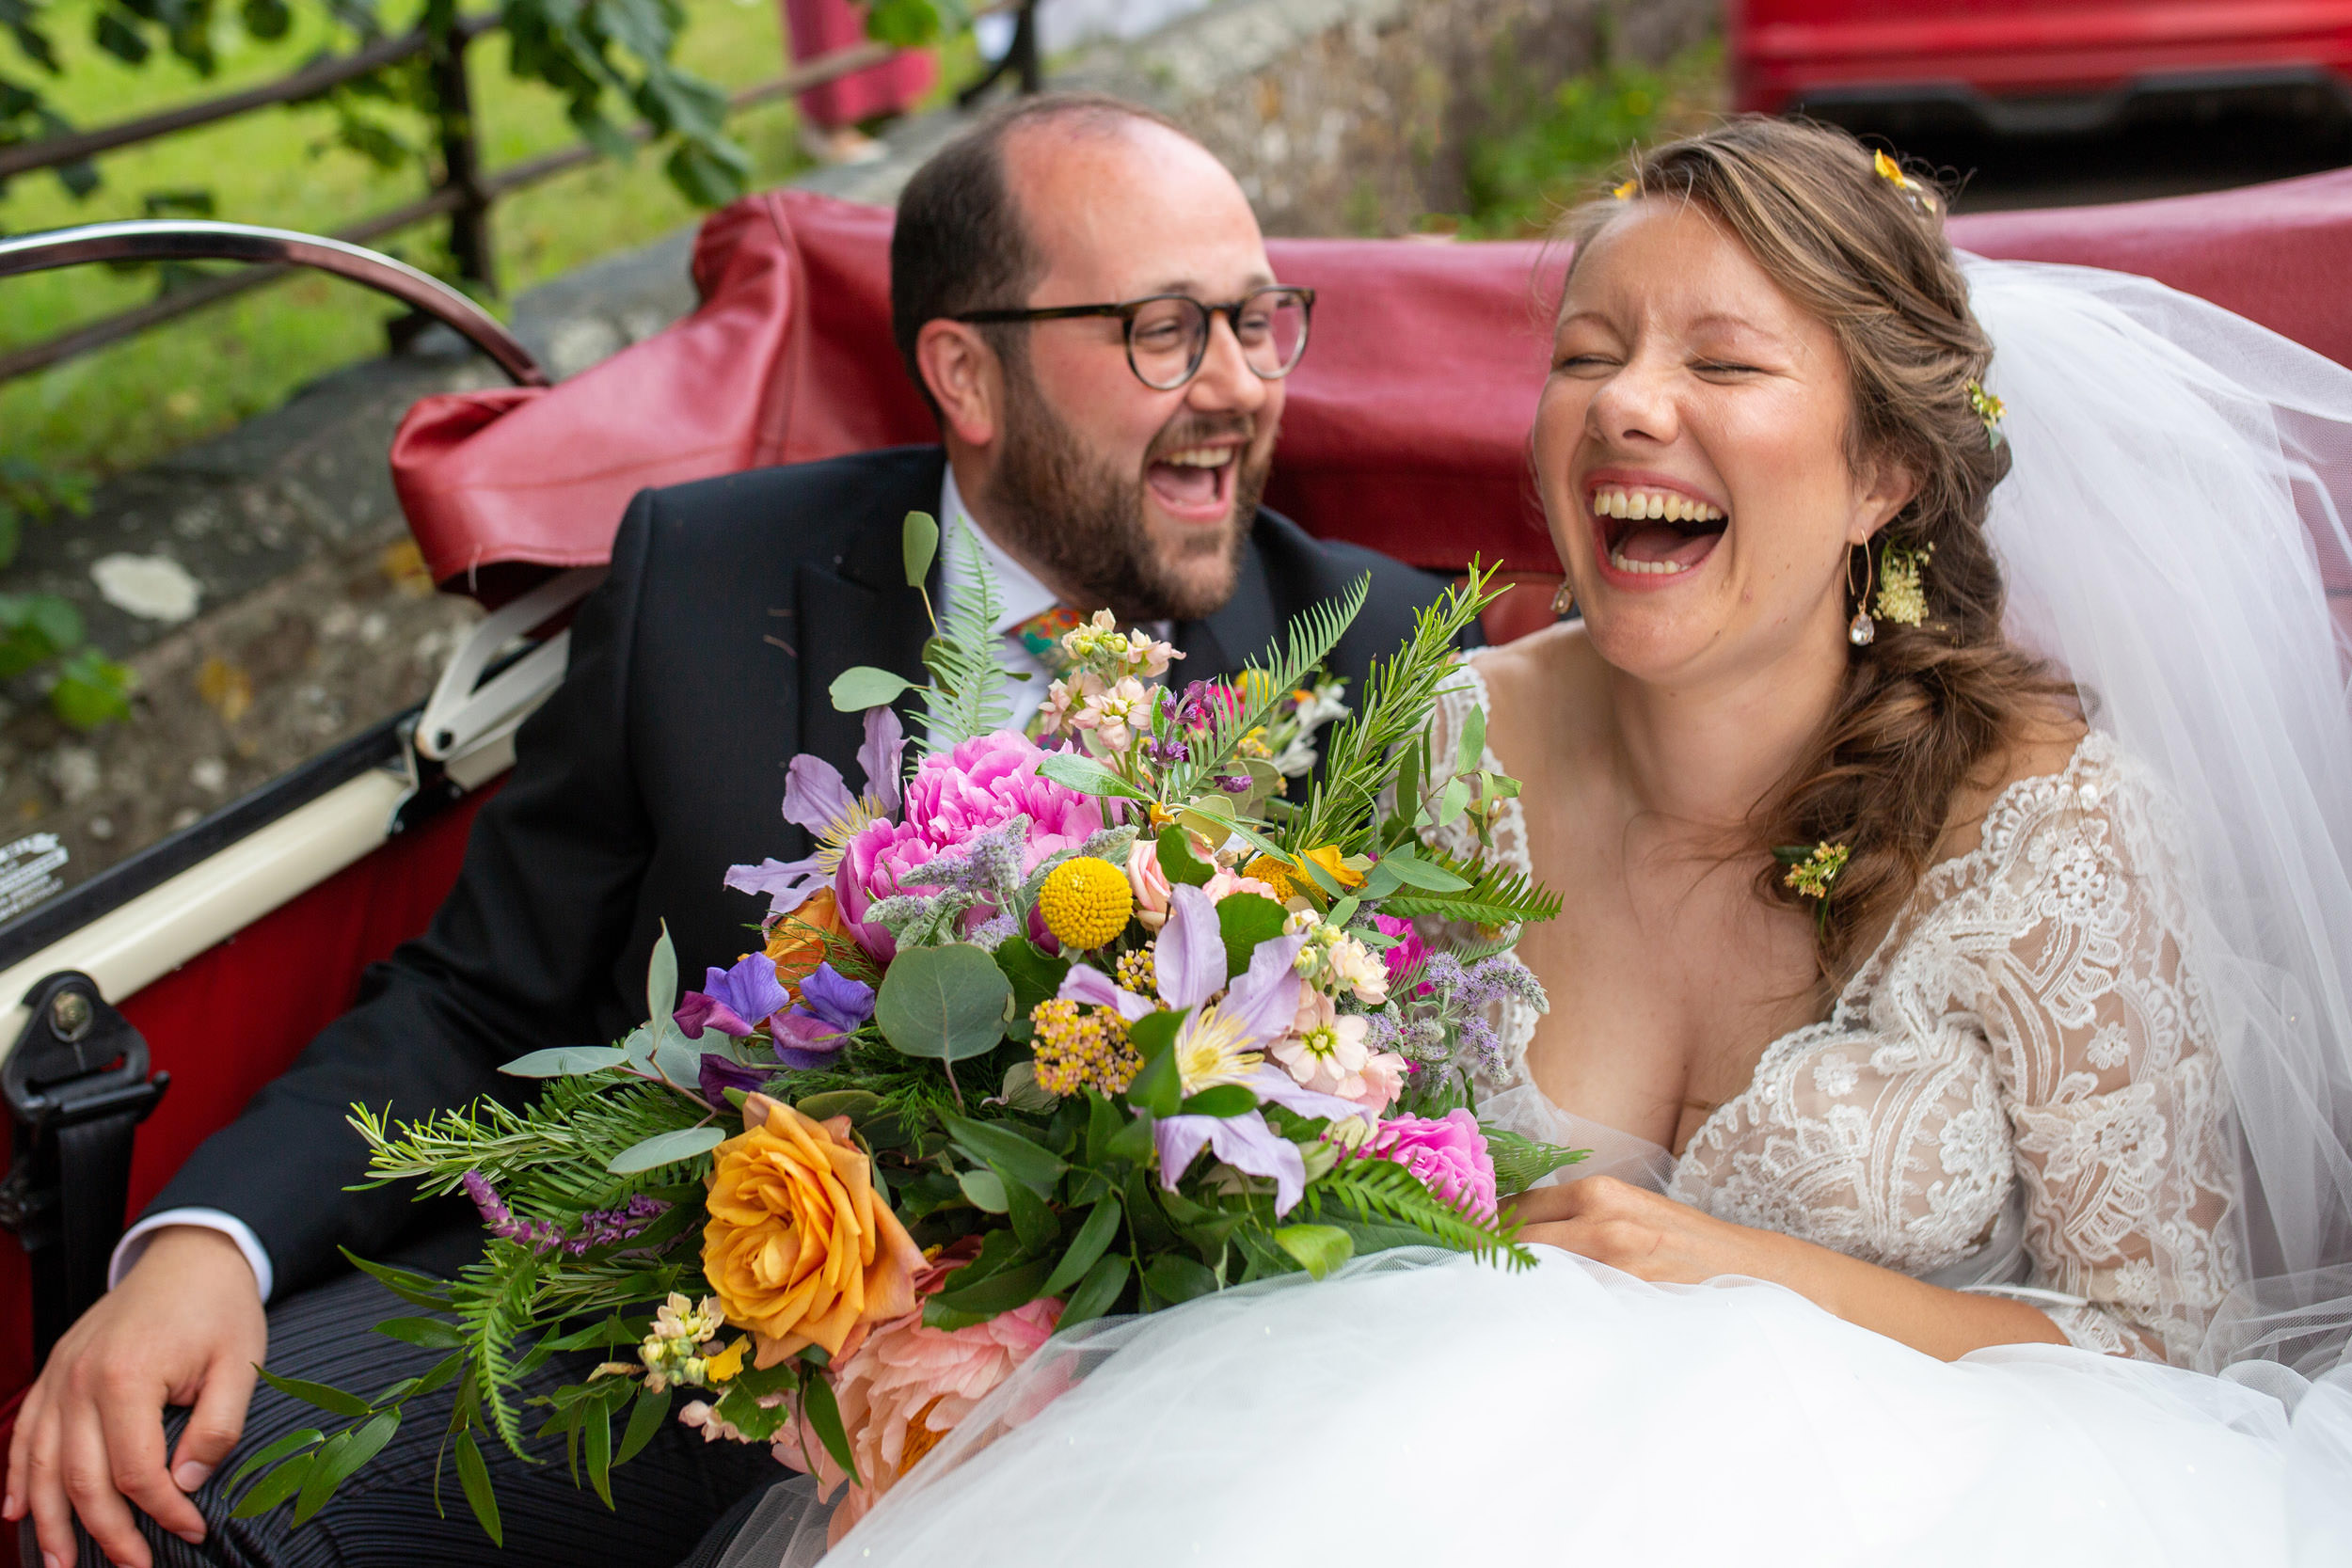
<point>1083,294</point>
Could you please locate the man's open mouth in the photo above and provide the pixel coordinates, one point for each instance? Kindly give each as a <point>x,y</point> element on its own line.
<point>1195,484</point>
<point>1646,532</point>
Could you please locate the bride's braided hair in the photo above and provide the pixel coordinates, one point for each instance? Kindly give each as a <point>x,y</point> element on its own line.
<point>1927,710</point>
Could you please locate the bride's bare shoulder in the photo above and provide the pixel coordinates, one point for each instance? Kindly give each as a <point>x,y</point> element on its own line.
<point>1533,675</point>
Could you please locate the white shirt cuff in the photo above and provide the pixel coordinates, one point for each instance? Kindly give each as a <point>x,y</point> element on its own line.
<point>135,1241</point>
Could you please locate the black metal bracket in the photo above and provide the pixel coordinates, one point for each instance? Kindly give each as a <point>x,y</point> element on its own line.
<point>77,1087</point>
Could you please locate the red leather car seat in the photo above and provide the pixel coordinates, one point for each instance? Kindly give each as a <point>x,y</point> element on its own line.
<point>1404,429</point>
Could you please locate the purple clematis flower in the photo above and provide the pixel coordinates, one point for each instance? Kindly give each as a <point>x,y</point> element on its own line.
<point>831,1005</point>
<point>817,800</point>
<point>734,1001</point>
<point>1244,1142</point>
<point>1273,1087</point>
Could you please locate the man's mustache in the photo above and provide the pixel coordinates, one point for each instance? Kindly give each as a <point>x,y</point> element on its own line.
<point>1194,430</point>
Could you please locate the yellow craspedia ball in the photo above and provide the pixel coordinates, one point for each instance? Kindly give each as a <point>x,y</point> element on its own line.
<point>1281,877</point>
<point>1085,902</point>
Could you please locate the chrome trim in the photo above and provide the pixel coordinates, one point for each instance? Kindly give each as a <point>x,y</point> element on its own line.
<point>202,240</point>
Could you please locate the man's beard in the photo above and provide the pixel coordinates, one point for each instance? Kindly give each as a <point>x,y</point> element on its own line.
<point>1080,522</point>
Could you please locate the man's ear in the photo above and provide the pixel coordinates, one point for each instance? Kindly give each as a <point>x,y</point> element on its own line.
<point>966,378</point>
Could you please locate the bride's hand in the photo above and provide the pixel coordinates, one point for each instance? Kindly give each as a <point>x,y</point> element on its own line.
<point>1645,1235</point>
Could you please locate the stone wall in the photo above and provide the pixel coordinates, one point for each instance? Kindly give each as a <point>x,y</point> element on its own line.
<point>1352,117</point>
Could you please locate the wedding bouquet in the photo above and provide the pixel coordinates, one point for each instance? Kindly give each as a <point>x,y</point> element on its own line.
<point>1096,1019</point>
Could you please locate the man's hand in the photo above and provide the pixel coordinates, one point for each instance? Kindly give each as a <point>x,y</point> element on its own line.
<point>185,1327</point>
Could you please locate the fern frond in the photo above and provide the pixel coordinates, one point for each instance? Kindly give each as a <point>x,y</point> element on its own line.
<point>1497,895</point>
<point>1375,1191</point>
<point>492,1299</point>
<point>1521,1162</point>
<point>1392,708</point>
<point>1314,633</point>
<point>966,696</point>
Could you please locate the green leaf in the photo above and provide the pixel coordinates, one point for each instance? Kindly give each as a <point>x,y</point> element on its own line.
<point>328,1398</point>
<point>1000,1292</point>
<point>429,1333</point>
<point>1133,1141</point>
<point>294,1442</point>
<point>1093,1239</point>
<point>666,1148</point>
<point>824,1414</point>
<point>1032,1220</point>
<point>857,1104</point>
<point>985,1188</point>
<point>920,542</point>
<point>275,1488</point>
<point>1319,1248</point>
<point>90,690</point>
<point>646,1417</point>
<point>1086,776</point>
<point>1222,1100</point>
<point>474,1476</point>
<point>1020,1090</point>
<point>1036,975</point>
<point>662,980</point>
<point>1174,1277</point>
<point>1245,920</point>
<point>1413,871</point>
<point>565,1061</point>
<point>943,1004</point>
<point>595,1425</point>
<point>1157,1088</point>
<point>863,685</point>
<point>1096,1293</point>
<point>1004,1150</point>
<point>416,1290</point>
<point>340,1459</point>
<point>1154,1032</point>
<point>1177,862</point>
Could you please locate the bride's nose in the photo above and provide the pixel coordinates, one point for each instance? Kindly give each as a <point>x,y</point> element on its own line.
<point>1635,406</point>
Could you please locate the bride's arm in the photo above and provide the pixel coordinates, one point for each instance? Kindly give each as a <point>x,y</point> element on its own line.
<point>1654,1237</point>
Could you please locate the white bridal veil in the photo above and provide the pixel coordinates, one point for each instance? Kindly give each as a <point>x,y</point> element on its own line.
<point>2176,505</point>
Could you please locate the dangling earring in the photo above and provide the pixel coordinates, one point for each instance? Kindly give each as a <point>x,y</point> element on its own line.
<point>1861,630</point>
<point>1564,599</point>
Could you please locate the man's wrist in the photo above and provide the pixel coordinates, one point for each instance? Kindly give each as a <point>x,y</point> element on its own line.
<point>178,1224</point>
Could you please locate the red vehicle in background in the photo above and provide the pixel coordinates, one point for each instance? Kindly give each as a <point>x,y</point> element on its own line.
<point>2011,67</point>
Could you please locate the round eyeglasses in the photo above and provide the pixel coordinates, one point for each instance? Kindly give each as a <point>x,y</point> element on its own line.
<point>1168,335</point>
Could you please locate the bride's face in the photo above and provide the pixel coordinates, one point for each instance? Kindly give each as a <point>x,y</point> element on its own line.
<point>1691,446</point>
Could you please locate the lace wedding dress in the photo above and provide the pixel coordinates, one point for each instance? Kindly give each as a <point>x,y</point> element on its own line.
<point>2101,1063</point>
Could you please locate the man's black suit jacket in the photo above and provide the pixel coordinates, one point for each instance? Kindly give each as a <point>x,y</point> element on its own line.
<point>698,669</point>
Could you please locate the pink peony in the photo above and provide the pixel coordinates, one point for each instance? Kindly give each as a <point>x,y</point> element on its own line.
<point>1407,954</point>
<point>950,801</point>
<point>1448,1155</point>
<point>906,1388</point>
<point>1149,883</point>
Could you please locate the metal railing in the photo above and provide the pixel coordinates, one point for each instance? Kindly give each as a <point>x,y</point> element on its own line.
<point>461,190</point>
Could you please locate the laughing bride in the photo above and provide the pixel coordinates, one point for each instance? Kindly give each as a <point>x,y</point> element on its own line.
<point>1948,776</point>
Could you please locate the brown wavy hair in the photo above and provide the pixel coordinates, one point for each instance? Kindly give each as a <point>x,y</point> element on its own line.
<point>1925,711</point>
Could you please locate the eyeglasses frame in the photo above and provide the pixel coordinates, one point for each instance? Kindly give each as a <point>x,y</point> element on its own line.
<point>1126,311</point>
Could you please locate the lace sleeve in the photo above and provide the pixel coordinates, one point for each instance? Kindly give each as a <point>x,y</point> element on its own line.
<point>2105,1047</point>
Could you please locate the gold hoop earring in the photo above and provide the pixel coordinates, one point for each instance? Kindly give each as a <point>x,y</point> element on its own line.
<point>1862,630</point>
<point>1564,599</point>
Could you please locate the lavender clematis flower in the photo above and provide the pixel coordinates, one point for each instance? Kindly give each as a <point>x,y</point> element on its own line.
<point>1190,955</point>
<point>718,1074</point>
<point>1273,1087</point>
<point>816,800</point>
<point>1085,983</point>
<point>1244,1142</point>
<point>732,1001</point>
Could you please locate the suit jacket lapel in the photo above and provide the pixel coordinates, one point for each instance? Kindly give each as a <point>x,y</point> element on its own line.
<point>1241,629</point>
<point>860,611</point>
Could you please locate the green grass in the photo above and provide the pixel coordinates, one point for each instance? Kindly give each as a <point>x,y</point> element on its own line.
<point>136,401</point>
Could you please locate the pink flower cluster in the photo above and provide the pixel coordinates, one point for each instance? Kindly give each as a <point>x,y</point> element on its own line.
<point>951,800</point>
<point>905,1388</point>
<point>1448,1155</point>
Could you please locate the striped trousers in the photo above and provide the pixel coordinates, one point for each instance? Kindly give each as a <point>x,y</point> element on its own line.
<point>675,1493</point>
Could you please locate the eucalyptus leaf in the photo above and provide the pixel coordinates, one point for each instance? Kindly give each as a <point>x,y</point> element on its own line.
<point>1177,862</point>
<point>567,1061</point>
<point>863,685</point>
<point>985,1188</point>
<point>920,542</point>
<point>666,1148</point>
<point>856,1105</point>
<point>943,1004</point>
<point>662,980</point>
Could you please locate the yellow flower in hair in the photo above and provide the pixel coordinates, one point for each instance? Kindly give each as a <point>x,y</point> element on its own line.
<point>1814,876</point>
<point>1892,172</point>
<point>1903,595</point>
<point>1628,190</point>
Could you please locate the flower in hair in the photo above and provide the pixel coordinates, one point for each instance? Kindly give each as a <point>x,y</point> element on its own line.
<point>1813,869</point>
<point>1988,409</point>
<point>1902,596</point>
<point>1627,190</point>
<point>1913,192</point>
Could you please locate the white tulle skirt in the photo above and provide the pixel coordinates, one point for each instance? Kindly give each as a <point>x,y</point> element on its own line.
<point>1420,1409</point>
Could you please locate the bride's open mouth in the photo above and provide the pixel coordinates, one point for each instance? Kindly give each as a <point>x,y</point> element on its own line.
<point>1648,534</point>
<point>1195,484</point>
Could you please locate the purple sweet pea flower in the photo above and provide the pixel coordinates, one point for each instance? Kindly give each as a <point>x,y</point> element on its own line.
<point>732,1001</point>
<point>804,1041</point>
<point>720,1073</point>
<point>835,997</point>
<point>1244,1142</point>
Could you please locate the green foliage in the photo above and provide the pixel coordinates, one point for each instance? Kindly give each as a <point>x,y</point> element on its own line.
<point>1314,633</point>
<point>85,689</point>
<point>1372,1199</point>
<point>1521,1162</point>
<point>1492,893</point>
<point>966,696</point>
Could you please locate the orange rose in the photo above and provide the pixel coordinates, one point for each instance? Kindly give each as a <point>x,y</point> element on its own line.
<point>798,942</point>
<point>798,1248</point>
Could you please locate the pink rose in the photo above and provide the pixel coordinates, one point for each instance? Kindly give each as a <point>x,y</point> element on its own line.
<point>1448,1155</point>
<point>1384,1074</point>
<point>906,1388</point>
<point>1223,884</point>
<point>1149,883</point>
<point>952,800</point>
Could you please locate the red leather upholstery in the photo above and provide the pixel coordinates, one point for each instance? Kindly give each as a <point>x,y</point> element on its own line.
<point>1405,426</point>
